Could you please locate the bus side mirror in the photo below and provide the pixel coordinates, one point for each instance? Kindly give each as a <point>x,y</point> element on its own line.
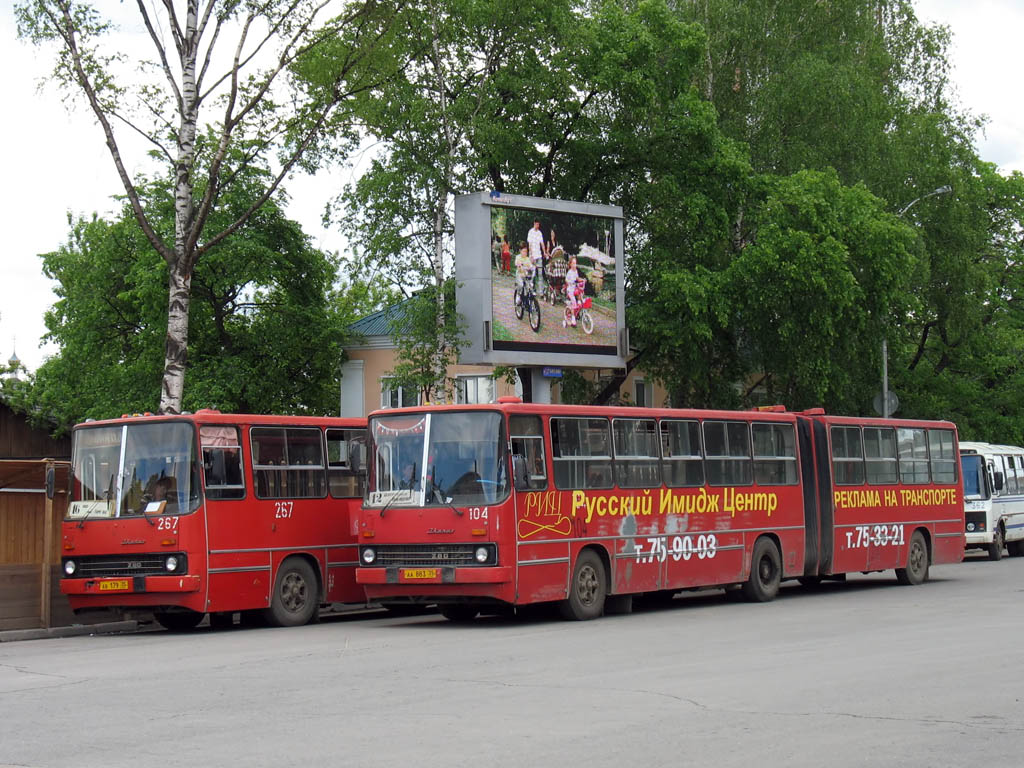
<point>50,480</point>
<point>355,457</point>
<point>519,473</point>
<point>997,481</point>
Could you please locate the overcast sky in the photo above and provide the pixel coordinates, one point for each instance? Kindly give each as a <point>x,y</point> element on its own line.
<point>57,162</point>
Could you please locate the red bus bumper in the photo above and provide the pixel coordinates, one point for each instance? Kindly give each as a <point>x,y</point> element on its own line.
<point>131,585</point>
<point>408,577</point>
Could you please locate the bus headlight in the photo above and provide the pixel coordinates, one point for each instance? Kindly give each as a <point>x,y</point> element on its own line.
<point>482,554</point>
<point>70,566</point>
<point>970,527</point>
<point>369,556</point>
<point>171,563</point>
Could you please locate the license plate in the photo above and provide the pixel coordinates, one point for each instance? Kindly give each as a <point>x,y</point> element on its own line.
<point>419,573</point>
<point>114,585</point>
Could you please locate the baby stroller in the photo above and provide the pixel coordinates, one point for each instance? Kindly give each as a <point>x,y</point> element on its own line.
<point>554,275</point>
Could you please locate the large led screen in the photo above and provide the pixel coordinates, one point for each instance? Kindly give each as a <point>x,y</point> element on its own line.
<point>544,277</point>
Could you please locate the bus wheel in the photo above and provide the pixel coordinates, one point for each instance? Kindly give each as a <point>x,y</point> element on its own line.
<point>586,590</point>
<point>916,571</point>
<point>995,549</point>
<point>178,622</point>
<point>765,572</point>
<point>295,596</point>
<point>1015,548</point>
<point>459,611</point>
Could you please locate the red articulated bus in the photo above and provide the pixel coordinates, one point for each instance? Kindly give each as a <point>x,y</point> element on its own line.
<point>214,513</point>
<point>478,508</point>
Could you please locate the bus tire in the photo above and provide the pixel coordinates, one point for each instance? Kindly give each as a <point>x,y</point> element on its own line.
<point>765,572</point>
<point>587,590</point>
<point>995,549</point>
<point>179,621</point>
<point>296,594</point>
<point>1015,548</point>
<point>460,612</point>
<point>916,571</point>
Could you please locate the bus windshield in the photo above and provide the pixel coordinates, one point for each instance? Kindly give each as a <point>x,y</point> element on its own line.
<point>443,458</point>
<point>134,469</point>
<point>974,476</point>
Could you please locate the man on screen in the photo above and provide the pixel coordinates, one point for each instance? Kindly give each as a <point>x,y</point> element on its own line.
<point>535,239</point>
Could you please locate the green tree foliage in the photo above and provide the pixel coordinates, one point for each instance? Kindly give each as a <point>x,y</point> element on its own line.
<point>963,354</point>
<point>235,58</point>
<point>416,333</point>
<point>267,324</point>
<point>861,89</point>
<point>825,279</point>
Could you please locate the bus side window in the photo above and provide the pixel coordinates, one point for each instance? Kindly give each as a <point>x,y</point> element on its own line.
<point>774,454</point>
<point>995,471</point>
<point>913,451</point>
<point>727,453</point>
<point>222,462</point>
<point>637,457</point>
<point>880,454</point>
<point>942,455</point>
<point>527,436</point>
<point>580,449</point>
<point>288,462</point>
<point>346,458</point>
<point>305,458</point>
<point>1012,474</point>
<point>847,456</point>
<point>267,445</point>
<point>681,455</point>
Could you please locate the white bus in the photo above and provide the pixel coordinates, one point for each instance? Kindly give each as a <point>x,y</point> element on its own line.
<point>993,497</point>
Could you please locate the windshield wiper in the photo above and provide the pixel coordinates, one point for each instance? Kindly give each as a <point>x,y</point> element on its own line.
<point>435,490</point>
<point>143,511</point>
<point>106,496</point>
<point>390,502</point>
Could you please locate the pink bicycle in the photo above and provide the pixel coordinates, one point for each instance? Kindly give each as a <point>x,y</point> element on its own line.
<point>582,311</point>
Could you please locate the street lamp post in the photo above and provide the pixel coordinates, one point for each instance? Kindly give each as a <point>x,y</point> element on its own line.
<point>945,189</point>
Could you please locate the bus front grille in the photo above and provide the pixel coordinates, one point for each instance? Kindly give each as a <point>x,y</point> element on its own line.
<point>418,555</point>
<point>108,566</point>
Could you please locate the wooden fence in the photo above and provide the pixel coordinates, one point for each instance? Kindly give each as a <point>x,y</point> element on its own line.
<point>30,541</point>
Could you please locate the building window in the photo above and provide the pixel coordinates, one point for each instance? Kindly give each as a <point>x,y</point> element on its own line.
<point>642,394</point>
<point>392,396</point>
<point>474,389</point>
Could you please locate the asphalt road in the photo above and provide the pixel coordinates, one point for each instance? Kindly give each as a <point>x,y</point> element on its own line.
<point>865,673</point>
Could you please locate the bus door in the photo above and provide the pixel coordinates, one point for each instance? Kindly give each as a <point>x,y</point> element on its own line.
<point>809,479</point>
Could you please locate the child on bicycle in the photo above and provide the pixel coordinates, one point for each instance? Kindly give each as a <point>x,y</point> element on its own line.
<point>572,290</point>
<point>524,267</point>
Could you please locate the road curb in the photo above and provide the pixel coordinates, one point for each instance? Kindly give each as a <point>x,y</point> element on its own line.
<point>12,635</point>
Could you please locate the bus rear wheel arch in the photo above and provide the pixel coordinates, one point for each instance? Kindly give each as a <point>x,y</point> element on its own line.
<point>762,585</point>
<point>296,595</point>
<point>588,588</point>
<point>918,561</point>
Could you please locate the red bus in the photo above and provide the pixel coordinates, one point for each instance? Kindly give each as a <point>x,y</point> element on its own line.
<point>478,508</point>
<point>214,513</point>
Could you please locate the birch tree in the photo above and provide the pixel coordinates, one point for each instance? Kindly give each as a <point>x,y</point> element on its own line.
<point>222,72</point>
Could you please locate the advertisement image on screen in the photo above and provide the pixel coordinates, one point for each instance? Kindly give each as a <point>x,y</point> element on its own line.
<point>555,281</point>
